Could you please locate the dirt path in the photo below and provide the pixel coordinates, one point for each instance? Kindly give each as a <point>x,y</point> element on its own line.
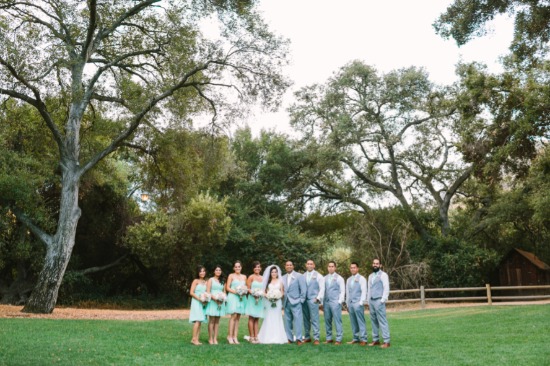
<point>8,311</point>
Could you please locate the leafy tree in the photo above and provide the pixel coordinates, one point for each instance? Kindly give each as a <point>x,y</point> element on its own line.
<point>465,19</point>
<point>264,223</point>
<point>454,262</point>
<point>170,246</point>
<point>368,135</point>
<point>28,178</point>
<point>143,63</point>
<point>504,119</point>
<point>517,215</point>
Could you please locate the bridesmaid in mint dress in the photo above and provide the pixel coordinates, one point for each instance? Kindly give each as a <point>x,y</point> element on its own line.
<point>197,314</point>
<point>215,310</point>
<point>254,305</point>
<point>235,304</point>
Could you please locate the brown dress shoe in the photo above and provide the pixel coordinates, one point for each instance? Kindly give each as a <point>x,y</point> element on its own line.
<point>289,342</point>
<point>353,342</point>
<point>299,343</point>
<point>307,340</point>
<point>337,343</point>
<point>362,343</point>
<point>329,341</point>
<point>385,345</point>
<point>375,343</point>
<point>315,342</point>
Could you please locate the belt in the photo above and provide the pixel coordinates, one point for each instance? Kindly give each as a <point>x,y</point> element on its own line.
<point>375,298</point>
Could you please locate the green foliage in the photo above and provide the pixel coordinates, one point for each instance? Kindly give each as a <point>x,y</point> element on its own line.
<point>454,262</point>
<point>466,19</point>
<point>517,216</point>
<point>258,192</point>
<point>180,163</point>
<point>370,135</point>
<point>170,246</point>
<point>503,118</point>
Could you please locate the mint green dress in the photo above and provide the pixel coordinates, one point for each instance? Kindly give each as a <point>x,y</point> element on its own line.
<point>197,313</point>
<point>254,309</point>
<point>234,303</point>
<point>213,308</point>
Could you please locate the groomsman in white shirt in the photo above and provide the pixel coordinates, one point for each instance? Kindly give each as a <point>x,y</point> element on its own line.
<point>335,292</point>
<point>378,291</point>
<point>315,292</point>
<point>356,295</point>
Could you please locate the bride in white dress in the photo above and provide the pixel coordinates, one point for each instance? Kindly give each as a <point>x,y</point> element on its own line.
<point>272,330</point>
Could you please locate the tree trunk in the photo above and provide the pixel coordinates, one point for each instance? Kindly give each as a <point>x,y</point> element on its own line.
<point>411,216</point>
<point>444,219</point>
<point>58,253</point>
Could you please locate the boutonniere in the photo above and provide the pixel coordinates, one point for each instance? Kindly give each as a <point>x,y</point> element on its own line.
<point>356,279</point>
<point>314,277</point>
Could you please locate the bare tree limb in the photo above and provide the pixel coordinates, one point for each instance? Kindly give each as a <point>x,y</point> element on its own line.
<point>44,237</point>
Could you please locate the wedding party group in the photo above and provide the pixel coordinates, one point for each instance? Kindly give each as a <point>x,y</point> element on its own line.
<point>290,304</point>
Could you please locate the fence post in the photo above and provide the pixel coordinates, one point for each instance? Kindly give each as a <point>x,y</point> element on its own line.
<point>422,297</point>
<point>489,298</point>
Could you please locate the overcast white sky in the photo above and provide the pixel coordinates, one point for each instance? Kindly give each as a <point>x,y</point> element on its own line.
<point>388,34</point>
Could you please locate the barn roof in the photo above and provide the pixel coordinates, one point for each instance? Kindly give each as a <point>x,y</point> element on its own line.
<point>533,259</point>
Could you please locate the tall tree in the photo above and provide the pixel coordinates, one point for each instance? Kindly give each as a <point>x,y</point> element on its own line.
<point>369,134</point>
<point>143,62</point>
<point>465,19</point>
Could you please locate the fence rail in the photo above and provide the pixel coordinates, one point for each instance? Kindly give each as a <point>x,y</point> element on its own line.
<point>488,296</point>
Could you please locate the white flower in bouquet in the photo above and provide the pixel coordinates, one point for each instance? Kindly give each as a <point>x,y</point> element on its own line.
<point>273,295</point>
<point>241,291</point>
<point>204,298</point>
<point>219,298</point>
<point>257,293</point>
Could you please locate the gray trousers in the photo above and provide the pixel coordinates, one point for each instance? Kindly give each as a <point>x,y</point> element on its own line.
<point>378,320</point>
<point>310,309</point>
<point>333,311</point>
<point>293,320</point>
<point>357,319</point>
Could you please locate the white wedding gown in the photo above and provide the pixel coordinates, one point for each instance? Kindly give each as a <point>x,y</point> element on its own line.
<point>273,328</point>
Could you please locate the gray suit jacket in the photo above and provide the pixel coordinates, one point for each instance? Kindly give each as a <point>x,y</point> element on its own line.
<point>296,292</point>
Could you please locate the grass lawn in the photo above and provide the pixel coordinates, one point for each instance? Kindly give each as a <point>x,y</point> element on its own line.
<point>484,335</point>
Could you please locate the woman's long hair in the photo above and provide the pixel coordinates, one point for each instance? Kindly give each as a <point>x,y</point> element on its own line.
<point>222,276</point>
<point>198,272</point>
<point>267,275</point>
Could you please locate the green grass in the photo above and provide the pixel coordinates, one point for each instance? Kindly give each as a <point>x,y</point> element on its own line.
<point>500,335</point>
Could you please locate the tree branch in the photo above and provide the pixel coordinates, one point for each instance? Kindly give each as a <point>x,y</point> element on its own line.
<point>44,237</point>
<point>88,44</point>
<point>140,115</point>
<point>102,268</point>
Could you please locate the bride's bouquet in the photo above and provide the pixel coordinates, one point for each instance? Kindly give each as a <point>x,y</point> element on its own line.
<point>257,293</point>
<point>219,298</point>
<point>241,291</point>
<point>204,298</point>
<point>273,295</point>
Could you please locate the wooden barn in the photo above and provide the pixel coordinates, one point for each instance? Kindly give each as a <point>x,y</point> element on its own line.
<point>521,268</point>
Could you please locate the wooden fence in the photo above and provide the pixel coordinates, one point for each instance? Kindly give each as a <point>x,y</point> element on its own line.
<point>488,294</point>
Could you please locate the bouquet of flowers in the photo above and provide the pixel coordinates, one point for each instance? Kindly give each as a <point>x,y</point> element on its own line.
<point>219,298</point>
<point>241,291</point>
<point>204,298</point>
<point>273,295</point>
<point>257,293</point>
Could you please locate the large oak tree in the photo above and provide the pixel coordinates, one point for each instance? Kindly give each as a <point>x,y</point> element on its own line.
<point>144,64</point>
<point>368,134</point>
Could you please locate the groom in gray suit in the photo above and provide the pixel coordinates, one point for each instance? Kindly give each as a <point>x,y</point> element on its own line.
<point>295,295</point>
